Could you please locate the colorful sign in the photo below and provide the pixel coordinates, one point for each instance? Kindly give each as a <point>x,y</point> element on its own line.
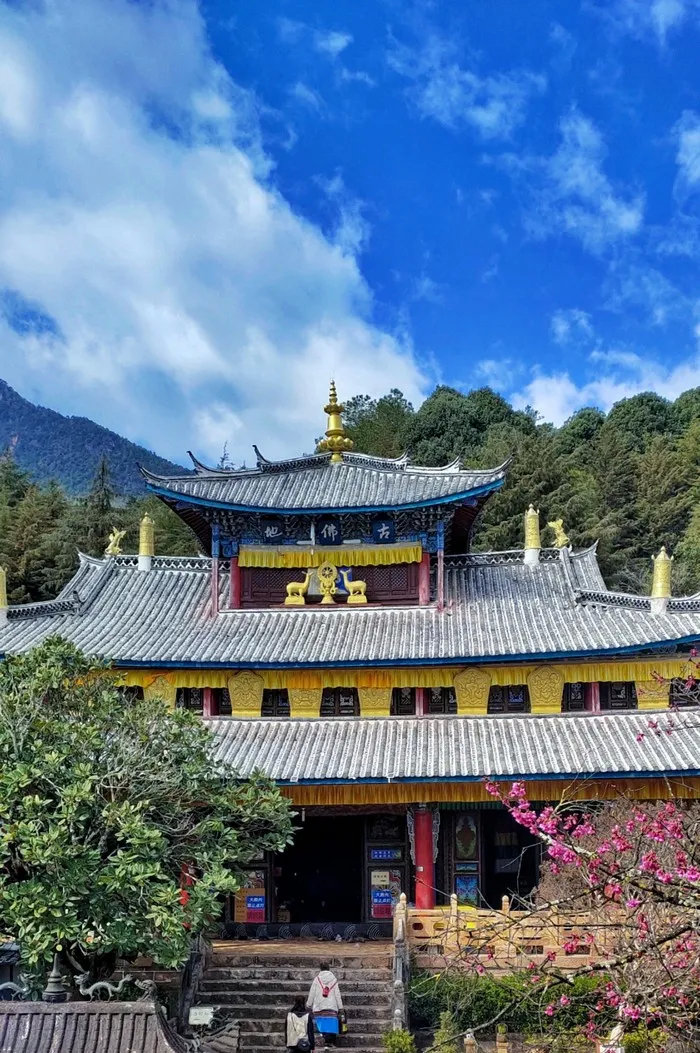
<point>249,902</point>
<point>385,889</point>
<point>377,854</point>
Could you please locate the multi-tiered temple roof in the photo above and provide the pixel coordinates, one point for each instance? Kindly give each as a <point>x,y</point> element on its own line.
<point>496,608</point>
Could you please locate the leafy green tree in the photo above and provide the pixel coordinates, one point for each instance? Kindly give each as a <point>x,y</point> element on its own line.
<point>105,801</point>
<point>378,426</point>
<point>686,408</point>
<point>97,513</point>
<point>642,416</point>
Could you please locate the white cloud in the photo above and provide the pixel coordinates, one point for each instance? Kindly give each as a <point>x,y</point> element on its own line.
<point>306,96</point>
<point>190,303</point>
<point>618,374</point>
<point>573,195</point>
<point>646,18</point>
<point>688,153</point>
<point>569,325</point>
<point>331,42</point>
<point>442,90</point>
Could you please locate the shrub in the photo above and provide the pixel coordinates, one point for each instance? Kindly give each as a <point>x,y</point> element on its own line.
<point>644,1040</point>
<point>447,1035</point>
<point>476,1000</point>
<point>399,1042</point>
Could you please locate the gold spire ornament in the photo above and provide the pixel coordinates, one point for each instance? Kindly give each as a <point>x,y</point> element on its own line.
<point>146,537</point>
<point>3,596</point>
<point>335,441</point>
<point>661,582</point>
<point>146,543</point>
<point>532,536</point>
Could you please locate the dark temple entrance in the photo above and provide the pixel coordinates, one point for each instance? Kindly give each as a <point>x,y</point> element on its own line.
<point>320,877</point>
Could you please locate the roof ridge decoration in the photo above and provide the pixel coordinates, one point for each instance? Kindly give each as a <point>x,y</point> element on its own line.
<point>336,441</point>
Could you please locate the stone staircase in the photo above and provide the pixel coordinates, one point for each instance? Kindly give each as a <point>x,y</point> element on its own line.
<point>256,990</point>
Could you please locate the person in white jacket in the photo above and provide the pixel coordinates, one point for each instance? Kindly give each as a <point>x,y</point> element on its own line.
<point>325,1002</point>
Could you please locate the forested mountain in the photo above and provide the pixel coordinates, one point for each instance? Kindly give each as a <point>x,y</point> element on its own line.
<point>68,449</point>
<point>629,480</point>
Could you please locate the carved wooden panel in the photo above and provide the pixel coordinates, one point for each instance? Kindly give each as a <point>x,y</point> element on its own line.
<point>266,586</point>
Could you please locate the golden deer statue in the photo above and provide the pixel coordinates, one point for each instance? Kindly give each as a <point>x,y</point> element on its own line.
<point>296,590</point>
<point>356,589</point>
<point>114,544</point>
<point>561,539</point>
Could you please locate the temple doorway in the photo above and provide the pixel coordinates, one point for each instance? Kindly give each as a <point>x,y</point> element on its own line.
<point>319,878</point>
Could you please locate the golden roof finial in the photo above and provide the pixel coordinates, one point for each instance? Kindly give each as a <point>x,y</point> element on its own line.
<point>532,528</point>
<point>335,440</point>
<point>661,582</point>
<point>3,589</point>
<point>146,537</point>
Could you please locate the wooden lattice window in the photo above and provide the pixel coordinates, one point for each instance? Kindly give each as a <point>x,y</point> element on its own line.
<point>441,700</point>
<point>266,586</point>
<point>275,703</point>
<point>573,698</point>
<point>191,698</point>
<point>340,702</point>
<point>512,699</point>
<point>618,696</point>
<point>221,702</point>
<point>397,583</point>
<point>685,691</point>
<point>403,702</point>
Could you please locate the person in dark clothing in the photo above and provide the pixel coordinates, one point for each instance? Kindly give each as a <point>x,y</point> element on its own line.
<point>299,1027</point>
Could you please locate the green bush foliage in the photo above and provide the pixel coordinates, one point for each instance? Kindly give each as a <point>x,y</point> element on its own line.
<point>399,1042</point>
<point>474,1001</point>
<point>447,1036</point>
<point>644,1040</point>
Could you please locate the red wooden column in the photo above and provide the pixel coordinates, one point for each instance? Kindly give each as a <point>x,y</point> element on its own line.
<point>591,698</point>
<point>234,591</point>
<point>421,702</point>
<point>424,580</point>
<point>208,706</point>
<point>423,851</point>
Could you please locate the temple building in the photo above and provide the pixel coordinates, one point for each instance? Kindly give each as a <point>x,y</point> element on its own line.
<point>340,634</point>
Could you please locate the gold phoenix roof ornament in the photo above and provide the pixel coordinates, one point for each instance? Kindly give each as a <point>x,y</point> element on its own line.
<point>335,441</point>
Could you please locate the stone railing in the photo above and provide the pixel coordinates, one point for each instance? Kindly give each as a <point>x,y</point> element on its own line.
<point>507,939</point>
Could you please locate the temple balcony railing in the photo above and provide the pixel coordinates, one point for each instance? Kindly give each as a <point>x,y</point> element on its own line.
<point>505,940</point>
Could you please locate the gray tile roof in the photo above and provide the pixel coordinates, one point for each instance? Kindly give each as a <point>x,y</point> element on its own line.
<point>315,484</point>
<point>436,748</point>
<point>497,608</point>
<point>85,1027</point>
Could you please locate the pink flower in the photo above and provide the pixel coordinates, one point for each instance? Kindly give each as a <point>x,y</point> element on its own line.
<point>633,902</point>
<point>549,1011</point>
<point>564,1000</point>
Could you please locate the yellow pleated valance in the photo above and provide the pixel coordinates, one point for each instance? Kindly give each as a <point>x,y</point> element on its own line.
<point>653,789</point>
<point>413,676</point>
<point>293,556</point>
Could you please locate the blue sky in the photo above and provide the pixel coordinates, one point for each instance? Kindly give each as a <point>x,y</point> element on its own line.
<point>208,210</point>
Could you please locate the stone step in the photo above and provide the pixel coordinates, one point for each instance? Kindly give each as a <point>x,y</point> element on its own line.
<point>357,1020</point>
<point>290,972</point>
<point>275,1040</point>
<point>286,990</point>
<point>266,1012</point>
<point>235,959</point>
<point>281,1001</point>
<point>283,983</point>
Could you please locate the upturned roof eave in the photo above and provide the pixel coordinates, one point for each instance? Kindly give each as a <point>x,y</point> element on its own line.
<point>206,502</point>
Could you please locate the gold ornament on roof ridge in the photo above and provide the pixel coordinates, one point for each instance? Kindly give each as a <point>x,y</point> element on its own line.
<point>114,544</point>
<point>336,440</point>
<point>561,538</point>
<point>146,537</point>
<point>532,528</point>
<point>3,588</point>
<point>661,581</point>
